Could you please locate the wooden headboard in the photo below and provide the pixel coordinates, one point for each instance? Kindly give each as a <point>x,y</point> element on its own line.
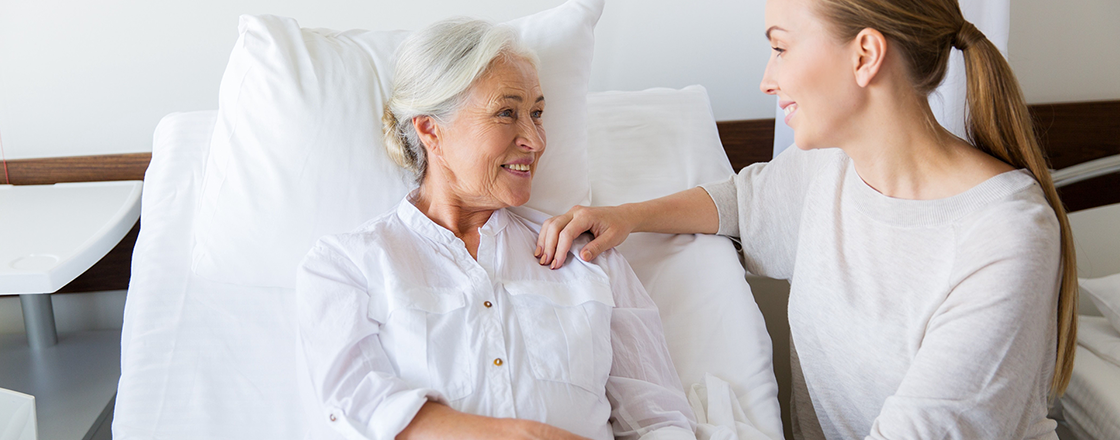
<point>1071,133</point>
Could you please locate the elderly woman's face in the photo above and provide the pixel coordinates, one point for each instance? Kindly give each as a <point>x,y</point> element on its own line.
<point>489,151</point>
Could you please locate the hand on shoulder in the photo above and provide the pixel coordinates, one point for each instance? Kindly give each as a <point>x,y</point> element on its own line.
<point>610,225</point>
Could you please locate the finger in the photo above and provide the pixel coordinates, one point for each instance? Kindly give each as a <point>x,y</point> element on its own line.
<point>540,239</point>
<point>565,239</point>
<point>551,236</point>
<point>600,244</point>
<point>590,250</point>
<point>604,241</point>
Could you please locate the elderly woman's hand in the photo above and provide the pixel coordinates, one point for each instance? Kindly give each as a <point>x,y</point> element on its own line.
<point>438,421</point>
<point>609,224</point>
<point>530,430</point>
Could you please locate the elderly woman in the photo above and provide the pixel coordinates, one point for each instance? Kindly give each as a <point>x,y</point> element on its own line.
<point>432,322</point>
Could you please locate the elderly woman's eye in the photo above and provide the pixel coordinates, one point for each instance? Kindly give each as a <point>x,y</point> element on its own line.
<point>507,113</point>
<point>537,113</point>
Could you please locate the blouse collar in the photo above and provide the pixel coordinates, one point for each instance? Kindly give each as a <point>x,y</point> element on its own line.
<point>419,222</point>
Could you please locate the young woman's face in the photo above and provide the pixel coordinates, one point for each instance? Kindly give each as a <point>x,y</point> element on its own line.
<point>811,73</point>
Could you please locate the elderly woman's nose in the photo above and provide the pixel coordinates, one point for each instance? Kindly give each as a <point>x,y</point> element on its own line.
<point>531,142</point>
<point>529,137</point>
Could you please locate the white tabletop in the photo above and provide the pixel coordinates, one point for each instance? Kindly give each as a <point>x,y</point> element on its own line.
<point>50,234</point>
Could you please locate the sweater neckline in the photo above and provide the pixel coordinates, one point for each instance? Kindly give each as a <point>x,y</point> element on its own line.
<point>907,212</point>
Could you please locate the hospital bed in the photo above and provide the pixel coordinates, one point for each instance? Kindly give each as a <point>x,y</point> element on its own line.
<point>213,357</point>
<point>209,352</point>
<point>1091,405</point>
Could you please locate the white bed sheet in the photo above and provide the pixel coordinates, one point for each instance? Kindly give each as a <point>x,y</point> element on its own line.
<point>199,359</point>
<point>1091,404</point>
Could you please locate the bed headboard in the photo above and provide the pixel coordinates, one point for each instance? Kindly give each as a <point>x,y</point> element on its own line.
<point>1071,133</point>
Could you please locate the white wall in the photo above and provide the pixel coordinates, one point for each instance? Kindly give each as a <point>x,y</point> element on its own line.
<point>80,77</point>
<point>1067,50</point>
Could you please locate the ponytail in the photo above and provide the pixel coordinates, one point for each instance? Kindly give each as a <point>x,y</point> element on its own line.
<point>999,124</point>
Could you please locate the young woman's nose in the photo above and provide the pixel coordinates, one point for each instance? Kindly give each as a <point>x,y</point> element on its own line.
<point>768,85</point>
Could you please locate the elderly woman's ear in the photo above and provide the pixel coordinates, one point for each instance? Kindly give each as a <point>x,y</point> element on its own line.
<point>428,132</point>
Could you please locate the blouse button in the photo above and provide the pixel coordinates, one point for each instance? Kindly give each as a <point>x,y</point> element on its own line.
<point>333,418</point>
<point>498,362</point>
<point>487,304</point>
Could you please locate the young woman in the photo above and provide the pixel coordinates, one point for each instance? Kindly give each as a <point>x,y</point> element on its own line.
<point>933,288</point>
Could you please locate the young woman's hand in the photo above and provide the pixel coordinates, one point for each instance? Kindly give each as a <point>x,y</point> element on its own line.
<point>610,225</point>
<point>690,211</point>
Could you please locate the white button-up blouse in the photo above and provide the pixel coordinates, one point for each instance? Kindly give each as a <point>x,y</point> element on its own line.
<point>397,313</point>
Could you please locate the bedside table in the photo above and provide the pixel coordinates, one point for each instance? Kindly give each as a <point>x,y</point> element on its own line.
<point>50,234</point>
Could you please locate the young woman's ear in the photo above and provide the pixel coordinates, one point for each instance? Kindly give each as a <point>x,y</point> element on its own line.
<point>428,131</point>
<point>870,49</point>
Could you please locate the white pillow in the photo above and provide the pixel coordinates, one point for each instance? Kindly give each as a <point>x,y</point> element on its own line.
<point>297,152</point>
<point>1095,334</point>
<point>1105,293</point>
<point>653,143</point>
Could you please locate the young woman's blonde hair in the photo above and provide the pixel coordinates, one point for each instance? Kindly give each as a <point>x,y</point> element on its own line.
<point>998,121</point>
<point>435,67</point>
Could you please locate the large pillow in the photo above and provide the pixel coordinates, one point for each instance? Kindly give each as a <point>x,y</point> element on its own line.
<point>297,154</point>
<point>1095,334</point>
<point>652,143</point>
<point>1105,293</point>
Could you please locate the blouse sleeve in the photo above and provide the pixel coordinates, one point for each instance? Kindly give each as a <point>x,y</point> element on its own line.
<point>647,401</point>
<point>989,348</point>
<point>354,384</point>
<point>762,207</point>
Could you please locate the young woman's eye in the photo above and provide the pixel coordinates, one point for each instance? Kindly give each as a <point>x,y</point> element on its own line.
<point>779,51</point>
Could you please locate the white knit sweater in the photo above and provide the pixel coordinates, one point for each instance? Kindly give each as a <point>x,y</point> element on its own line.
<point>912,319</point>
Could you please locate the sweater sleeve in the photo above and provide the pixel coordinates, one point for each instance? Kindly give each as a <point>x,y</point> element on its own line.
<point>989,348</point>
<point>762,206</point>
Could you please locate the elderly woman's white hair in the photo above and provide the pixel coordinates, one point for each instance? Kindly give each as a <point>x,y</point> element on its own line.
<point>435,68</point>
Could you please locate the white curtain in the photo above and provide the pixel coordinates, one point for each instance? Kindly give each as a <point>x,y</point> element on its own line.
<point>993,18</point>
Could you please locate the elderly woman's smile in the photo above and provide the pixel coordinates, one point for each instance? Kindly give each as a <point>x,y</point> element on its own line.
<point>484,157</point>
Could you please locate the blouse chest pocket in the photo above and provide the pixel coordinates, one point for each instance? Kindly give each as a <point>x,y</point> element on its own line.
<point>566,331</point>
<point>422,334</point>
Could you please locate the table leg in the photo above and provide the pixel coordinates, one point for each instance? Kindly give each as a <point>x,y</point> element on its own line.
<point>38,320</point>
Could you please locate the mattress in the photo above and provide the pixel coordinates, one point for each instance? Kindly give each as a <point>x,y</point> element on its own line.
<point>1091,404</point>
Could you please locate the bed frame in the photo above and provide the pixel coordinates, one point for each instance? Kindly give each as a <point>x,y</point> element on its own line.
<point>1072,134</point>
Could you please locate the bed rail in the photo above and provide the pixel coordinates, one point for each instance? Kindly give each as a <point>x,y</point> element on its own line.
<point>1086,170</point>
